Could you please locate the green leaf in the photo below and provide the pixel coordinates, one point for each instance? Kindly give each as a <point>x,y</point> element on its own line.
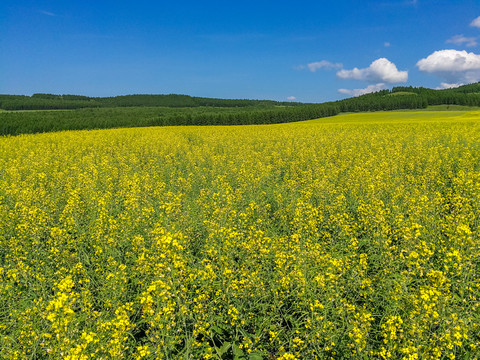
<point>255,356</point>
<point>237,352</point>
<point>217,330</point>
<point>224,348</point>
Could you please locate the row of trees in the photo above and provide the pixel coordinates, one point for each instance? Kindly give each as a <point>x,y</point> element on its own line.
<point>264,110</point>
<point>401,97</point>
<point>167,110</point>
<point>52,101</point>
<point>24,122</point>
<point>46,104</point>
<point>270,116</point>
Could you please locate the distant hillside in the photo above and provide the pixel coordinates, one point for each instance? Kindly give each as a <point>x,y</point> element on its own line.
<point>52,101</point>
<point>408,97</point>
<point>383,100</point>
<point>465,89</point>
<point>400,97</point>
<point>467,95</point>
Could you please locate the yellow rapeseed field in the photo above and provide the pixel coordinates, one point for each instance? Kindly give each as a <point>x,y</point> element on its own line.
<point>355,236</point>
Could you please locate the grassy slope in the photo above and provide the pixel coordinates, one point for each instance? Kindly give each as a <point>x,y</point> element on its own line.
<point>399,93</point>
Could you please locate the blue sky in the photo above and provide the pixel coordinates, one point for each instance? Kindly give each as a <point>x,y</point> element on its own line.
<point>312,51</point>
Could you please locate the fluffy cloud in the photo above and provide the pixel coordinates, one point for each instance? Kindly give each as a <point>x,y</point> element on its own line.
<point>476,22</point>
<point>460,39</point>
<point>367,90</point>
<point>449,60</point>
<point>380,71</point>
<point>324,64</point>
<point>291,98</point>
<point>452,65</point>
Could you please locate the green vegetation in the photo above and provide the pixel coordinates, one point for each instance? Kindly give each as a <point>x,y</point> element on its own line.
<point>452,108</point>
<point>15,123</point>
<point>401,93</point>
<point>167,110</point>
<point>351,237</point>
<point>381,101</point>
<point>52,101</point>
<point>468,95</point>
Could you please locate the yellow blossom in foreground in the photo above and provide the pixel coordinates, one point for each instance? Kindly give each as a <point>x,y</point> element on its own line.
<point>354,236</point>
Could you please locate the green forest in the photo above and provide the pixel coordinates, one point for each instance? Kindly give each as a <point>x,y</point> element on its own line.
<point>75,112</point>
<point>55,102</point>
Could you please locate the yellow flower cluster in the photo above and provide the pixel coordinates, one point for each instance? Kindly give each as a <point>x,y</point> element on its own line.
<point>355,236</point>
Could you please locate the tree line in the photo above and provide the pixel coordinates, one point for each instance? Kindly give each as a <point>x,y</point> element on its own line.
<point>401,97</point>
<point>171,110</point>
<point>58,102</point>
<point>25,122</point>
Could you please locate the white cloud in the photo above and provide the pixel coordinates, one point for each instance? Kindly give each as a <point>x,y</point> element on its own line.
<point>444,85</point>
<point>476,22</point>
<point>380,71</point>
<point>452,65</point>
<point>291,98</point>
<point>386,44</point>
<point>449,60</point>
<point>369,89</point>
<point>324,64</point>
<point>460,39</point>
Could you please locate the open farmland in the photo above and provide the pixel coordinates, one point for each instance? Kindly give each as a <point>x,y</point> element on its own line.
<point>354,236</point>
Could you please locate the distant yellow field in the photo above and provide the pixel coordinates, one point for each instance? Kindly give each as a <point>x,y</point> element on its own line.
<point>401,116</point>
<point>355,236</point>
